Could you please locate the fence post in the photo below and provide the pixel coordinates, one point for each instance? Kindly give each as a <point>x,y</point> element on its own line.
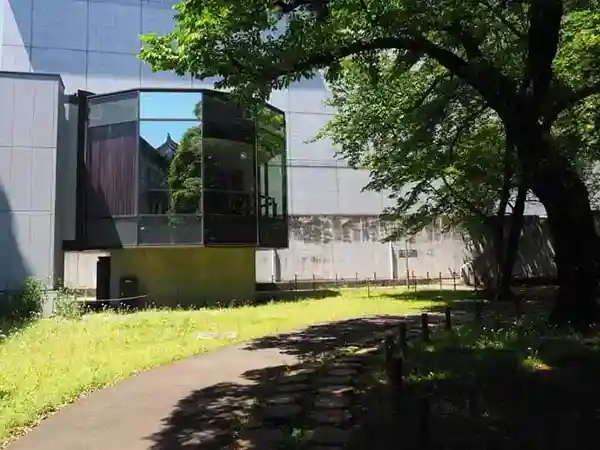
<point>314,282</point>
<point>388,349</point>
<point>368,288</point>
<point>478,311</point>
<point>428,280</point>
<point>454,279</point>
<point>425,327</point>
<point>424,418</point>
<point>295,281</point>
<point>398,381</point>
<point>356,276</point>
<point>402,338</point>
<point>414,279</point>
<point>336,280</point>
<point>440,281</point>
<point>448,314</point>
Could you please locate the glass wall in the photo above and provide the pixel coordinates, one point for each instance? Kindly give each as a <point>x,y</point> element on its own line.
<point>272,177</point>
<point>184,168</point>
<point>110,166</point>
<point>229,171</point>
<point>170,168</point>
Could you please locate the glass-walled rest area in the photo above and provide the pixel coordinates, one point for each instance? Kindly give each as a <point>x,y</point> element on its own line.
<point>183,168</point>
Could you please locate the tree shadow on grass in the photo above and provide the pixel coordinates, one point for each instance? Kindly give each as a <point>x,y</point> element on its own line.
<point>491,387</point>
<point>223,415</point>
<point>440,295</point>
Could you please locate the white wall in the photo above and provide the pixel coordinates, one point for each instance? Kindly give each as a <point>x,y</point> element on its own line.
<point>28,141</point>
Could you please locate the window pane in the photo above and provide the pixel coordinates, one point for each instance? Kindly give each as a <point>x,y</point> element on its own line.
<point>272,173</point>
<point>110,170</point>
<point>224,118</point>
<point>170,105</point>
<point>113,109</point>
<point>170,167</point>
<point>176,229</point>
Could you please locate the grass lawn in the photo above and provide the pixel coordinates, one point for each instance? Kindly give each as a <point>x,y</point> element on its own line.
<point>52,362</point>
<point>504,385</point>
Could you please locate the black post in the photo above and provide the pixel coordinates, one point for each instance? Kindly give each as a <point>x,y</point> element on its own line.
<point>424,425</point>
<point>398,381</point>
<point>402,342</point>
<point>440,281</point>
<point>356,276</point>
<point>368,288</point>
<point>425,327</point>
<point>336,280</point>
<point>388,348</point>
<point>314,283</point>
<point>414,279</point>
<point>428,280</point>
<point>295,281</point>
<point>478,311</point>
<point>454,279</point>
<point>374,277</point>
<point>448,313</point>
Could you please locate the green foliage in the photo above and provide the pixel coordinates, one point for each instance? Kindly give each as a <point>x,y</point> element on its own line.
<point>185,174</point>
<point>23,305</point>
<point>423,90</point>
<point>67,303</point>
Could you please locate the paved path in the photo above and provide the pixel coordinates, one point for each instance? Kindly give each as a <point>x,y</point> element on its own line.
<point>132,414</point>
<point>180,406</point>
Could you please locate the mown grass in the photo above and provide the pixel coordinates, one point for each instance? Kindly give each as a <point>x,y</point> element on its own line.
<point>52,362</point>
<point>501,384</point>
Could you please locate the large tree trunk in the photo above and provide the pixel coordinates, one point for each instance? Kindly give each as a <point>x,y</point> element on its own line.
<point>576,243</point>
<point>512,244</point>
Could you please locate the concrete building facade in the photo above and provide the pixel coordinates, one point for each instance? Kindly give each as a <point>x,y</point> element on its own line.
<point>92,46</point>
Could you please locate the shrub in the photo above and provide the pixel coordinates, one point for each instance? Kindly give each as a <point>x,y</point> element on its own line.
<point>67,303</point>
<point>25,304</point>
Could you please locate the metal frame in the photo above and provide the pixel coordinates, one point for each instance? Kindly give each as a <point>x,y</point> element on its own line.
<point>139,93</point>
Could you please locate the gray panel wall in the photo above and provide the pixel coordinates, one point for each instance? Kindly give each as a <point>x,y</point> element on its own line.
<point>28,140</point>
<point>92,44</point>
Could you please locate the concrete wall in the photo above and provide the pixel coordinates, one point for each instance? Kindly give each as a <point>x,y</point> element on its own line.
<point>347,247</point>
<point>29,115</point>
<point>184,276</point>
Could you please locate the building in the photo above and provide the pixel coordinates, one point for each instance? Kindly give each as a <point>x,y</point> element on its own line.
<point>91,45</point>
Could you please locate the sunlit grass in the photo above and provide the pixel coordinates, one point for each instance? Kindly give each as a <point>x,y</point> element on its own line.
<point>52,362</point>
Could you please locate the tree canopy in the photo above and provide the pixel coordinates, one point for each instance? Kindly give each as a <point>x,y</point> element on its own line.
<point>528,63</point>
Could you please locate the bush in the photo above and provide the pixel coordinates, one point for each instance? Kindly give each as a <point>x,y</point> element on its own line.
<point>67,304</point>
<point>24,305</point>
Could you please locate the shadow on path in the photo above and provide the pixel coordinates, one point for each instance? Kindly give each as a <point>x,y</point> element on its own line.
<point>212,418</point>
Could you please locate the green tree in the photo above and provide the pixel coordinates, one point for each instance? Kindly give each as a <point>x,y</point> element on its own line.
<point>529,61</point>
<point>185,174</point>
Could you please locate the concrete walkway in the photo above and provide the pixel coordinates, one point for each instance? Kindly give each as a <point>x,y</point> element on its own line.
<point>128,415</point>
<point>178,406</point>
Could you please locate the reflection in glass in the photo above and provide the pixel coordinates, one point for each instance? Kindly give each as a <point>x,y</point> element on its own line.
<point>272,181</point>
<point>170,105</point>
<point>229,171</point>
<point>113,109</point>
<point>170,166</point>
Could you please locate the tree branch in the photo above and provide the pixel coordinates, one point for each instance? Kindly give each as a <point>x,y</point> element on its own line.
<point>496,88</point>
<point>544,27</point>
<point>571,99</point>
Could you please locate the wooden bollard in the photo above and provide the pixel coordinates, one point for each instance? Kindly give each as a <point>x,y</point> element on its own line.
<point>474,405</point>
<point>425,327</point>
<point>478,311</point>
<point>518,306</point>
<point>448,316</point>
<point>402,338</point>
<point>424,431</point>
<point>388,348</point>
